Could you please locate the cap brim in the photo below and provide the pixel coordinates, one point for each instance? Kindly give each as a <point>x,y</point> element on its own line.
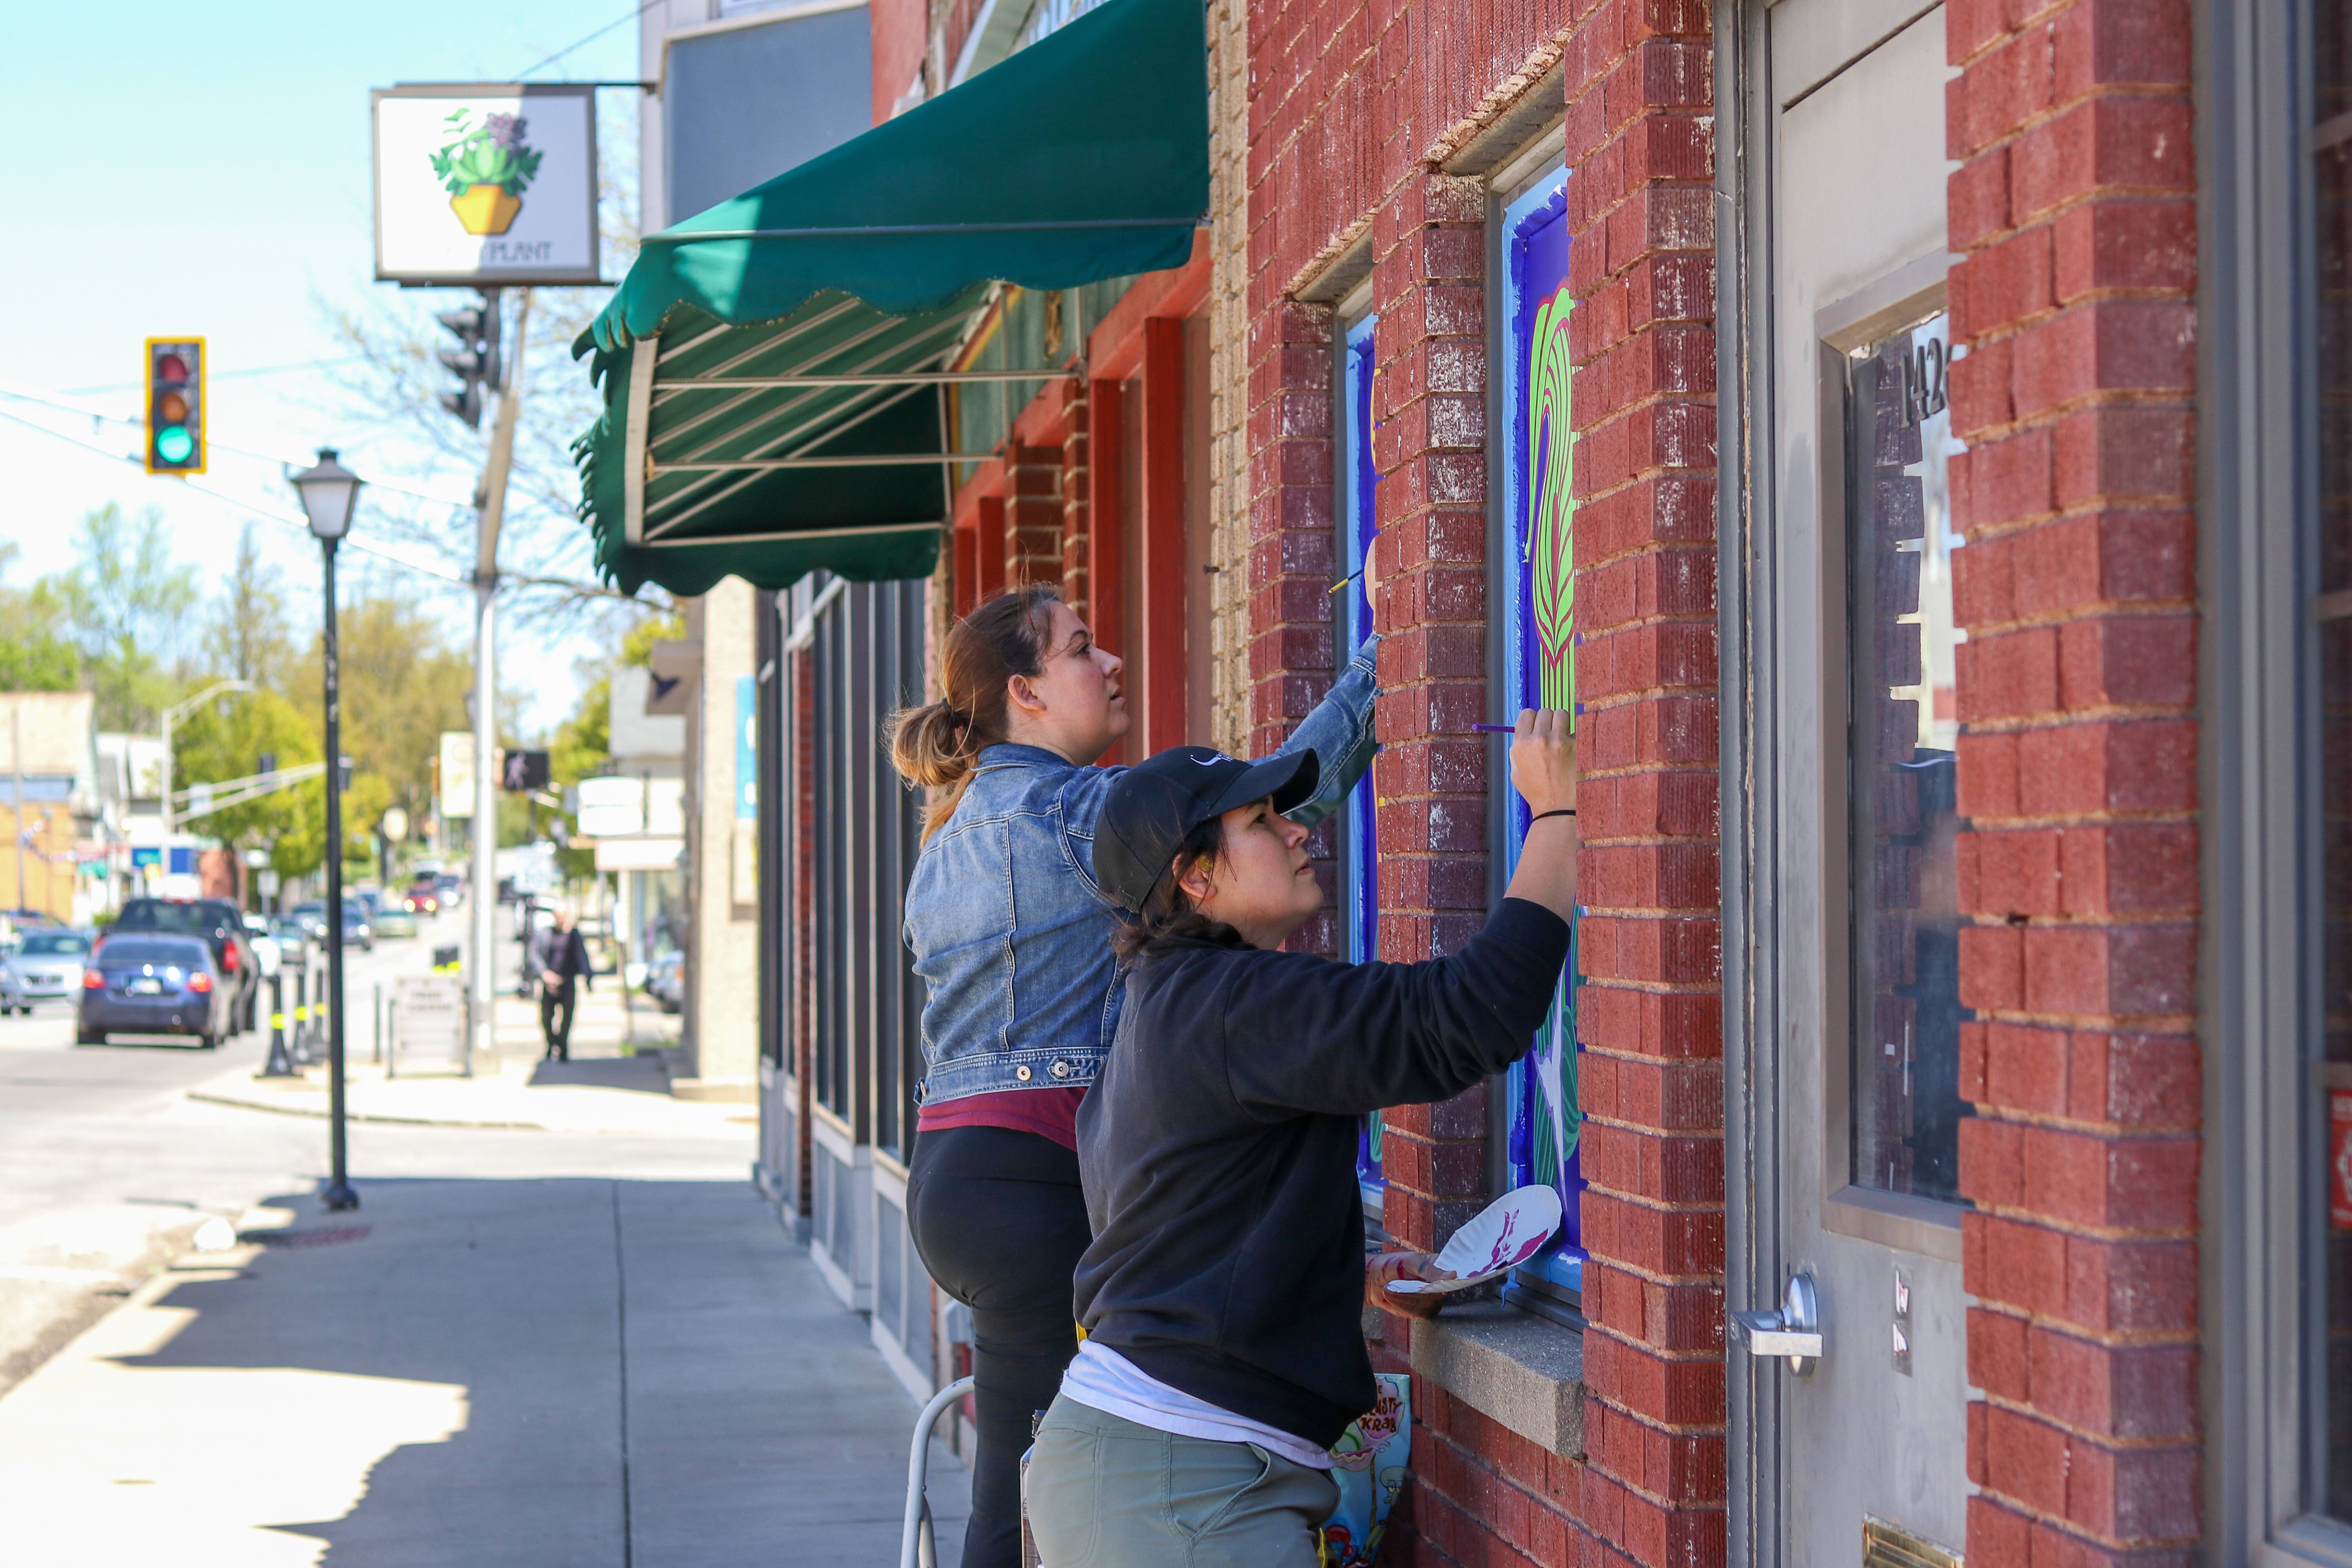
<point>1289,779</point>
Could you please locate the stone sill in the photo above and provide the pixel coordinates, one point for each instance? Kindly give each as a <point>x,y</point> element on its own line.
<point>1514,1368</point>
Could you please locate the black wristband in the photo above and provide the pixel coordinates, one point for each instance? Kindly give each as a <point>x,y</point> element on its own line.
<point>1563,811</point>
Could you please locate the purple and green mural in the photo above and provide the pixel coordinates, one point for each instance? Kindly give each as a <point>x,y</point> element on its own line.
<point>1540,629</point>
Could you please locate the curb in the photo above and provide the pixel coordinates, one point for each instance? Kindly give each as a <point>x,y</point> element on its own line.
<point>381,1119</point>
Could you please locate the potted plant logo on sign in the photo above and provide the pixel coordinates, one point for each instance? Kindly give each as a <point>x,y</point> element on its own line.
<point>486,167</point>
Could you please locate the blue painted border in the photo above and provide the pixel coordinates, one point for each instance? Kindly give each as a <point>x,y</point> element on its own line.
<point>1564,1267</point>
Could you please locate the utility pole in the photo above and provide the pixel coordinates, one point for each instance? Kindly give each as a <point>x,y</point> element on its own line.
<point>16,762</point>
<point>488,512</point>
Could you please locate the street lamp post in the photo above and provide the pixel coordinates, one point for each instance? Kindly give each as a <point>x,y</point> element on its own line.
<point>330,492</point>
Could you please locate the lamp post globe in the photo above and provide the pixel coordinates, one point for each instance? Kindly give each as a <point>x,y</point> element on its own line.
<point>330,493</point>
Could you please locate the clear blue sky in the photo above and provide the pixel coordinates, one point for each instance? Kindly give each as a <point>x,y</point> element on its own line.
<point>205,169</point>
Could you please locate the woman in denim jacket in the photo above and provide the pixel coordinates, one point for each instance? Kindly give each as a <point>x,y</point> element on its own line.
<point>1011,935</point>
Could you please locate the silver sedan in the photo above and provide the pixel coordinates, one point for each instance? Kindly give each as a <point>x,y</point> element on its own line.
<point>46,966</point>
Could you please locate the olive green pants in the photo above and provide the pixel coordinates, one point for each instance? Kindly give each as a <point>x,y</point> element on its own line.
<point>1104,1492</point>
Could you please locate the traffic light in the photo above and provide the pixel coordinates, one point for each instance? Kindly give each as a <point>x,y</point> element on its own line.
<point>476,357</point>
<point>175,406</point>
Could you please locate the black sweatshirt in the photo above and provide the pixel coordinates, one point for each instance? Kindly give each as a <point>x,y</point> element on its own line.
<point>1218,1149</point>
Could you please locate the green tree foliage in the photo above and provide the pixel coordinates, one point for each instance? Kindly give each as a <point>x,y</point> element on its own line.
<point>402,684</point>
<point>126,601</point>
<point>226,739</point>
<point>245,634</point>
<point>582,744</point>
<point>36,653</point>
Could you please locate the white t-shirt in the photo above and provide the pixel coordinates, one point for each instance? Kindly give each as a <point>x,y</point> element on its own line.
<point>1102,1379</point>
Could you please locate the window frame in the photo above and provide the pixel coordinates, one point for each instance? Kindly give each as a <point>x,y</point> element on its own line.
<point>2260,959</point>
<point>1354,359</point>
<point>1528,190</point>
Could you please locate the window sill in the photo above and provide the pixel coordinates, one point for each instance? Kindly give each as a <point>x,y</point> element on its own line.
<point>1515,1369</point>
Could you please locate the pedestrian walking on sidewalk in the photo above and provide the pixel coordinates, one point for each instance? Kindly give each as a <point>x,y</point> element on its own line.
<point>1011,934</point>
<point>563,960</point>
<point>1223,1292</point>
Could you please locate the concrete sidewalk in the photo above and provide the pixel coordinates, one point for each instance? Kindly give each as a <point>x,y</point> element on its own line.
<point>538,1374</point>
<point>616,1081</point>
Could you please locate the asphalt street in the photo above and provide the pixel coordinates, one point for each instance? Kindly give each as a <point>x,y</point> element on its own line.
<point>106,1169</point>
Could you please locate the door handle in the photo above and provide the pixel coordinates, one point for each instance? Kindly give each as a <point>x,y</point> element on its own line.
<point>1793,1332</point>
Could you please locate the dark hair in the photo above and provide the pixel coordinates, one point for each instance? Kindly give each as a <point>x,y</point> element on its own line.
<point>935,745</point>
<point>1169,918</point>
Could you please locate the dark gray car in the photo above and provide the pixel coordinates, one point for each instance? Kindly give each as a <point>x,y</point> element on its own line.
<point>158,985</point>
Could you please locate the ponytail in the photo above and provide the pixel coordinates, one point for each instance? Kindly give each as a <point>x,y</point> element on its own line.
<point>937,745</point>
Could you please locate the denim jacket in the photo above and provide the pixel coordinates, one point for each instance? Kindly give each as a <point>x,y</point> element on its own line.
<point>1011,934</point>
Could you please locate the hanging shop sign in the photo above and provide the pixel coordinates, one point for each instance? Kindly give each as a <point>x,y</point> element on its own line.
<point>481,186</point>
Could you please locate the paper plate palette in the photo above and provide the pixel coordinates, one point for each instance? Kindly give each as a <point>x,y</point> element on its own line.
<point>1506,1234</point>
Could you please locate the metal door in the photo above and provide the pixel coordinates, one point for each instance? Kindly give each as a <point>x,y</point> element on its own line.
<point>1847,1355</point>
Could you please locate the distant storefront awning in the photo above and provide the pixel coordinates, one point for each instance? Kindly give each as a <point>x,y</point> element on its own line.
<point>774,368</point>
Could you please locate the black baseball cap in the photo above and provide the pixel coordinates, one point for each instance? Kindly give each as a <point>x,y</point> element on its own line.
<point>1155,804</point>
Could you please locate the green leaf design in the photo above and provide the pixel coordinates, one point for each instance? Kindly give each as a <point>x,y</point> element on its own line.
<point>1551,548</point>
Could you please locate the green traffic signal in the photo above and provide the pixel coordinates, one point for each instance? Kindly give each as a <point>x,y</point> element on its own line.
<point>174,444</point>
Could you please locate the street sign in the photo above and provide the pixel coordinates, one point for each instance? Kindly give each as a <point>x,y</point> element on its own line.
<point>428,1024</point>
<point>480,184</point>
<point>394,823</point>
<point>456,773</point>
<point>610,808</point>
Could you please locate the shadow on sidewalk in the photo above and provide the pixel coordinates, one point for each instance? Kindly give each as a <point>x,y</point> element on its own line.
<point>652,1373</point>
<point>644,1074</point>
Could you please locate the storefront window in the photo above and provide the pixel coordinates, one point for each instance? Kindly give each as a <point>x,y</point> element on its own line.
<point>2331,284</point>
<point>1902,733</point>
<point>1540,671</point>
<point>1361,903</point>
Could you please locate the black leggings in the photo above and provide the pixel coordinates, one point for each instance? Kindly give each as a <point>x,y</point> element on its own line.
<point>1000,1222</point>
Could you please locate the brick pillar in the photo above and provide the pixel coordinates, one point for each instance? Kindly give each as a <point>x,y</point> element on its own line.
<point>2075,207</point>
<point>1650,1014</point>
<point>1033,514</point>
<point>1077,538</point>
<point>1428,448</point>
<point>1291,648</point>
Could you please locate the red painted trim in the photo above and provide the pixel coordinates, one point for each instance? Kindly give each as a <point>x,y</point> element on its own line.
<point>1163,563</point>
<point>985,479</point>
<point>967,568</point>
<point>1114,347</point>
<point>1106,537</point>
<point>990,536</point>
<point>1042,421</point>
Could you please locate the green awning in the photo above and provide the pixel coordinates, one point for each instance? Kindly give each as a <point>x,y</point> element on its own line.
<point>774,368</point>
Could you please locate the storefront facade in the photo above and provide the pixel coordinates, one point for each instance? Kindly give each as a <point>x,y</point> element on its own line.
<point>1906,439</point>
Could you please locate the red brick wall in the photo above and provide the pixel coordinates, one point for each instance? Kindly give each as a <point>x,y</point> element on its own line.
<point>898,30</point>
<point>2075,209</point>
<point>1650,1016</point>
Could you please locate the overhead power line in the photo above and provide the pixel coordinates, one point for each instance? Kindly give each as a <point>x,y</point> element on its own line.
<point>223,375</point>
<point>447,574</point>
<point>49,402</point>
<point>626,17</point>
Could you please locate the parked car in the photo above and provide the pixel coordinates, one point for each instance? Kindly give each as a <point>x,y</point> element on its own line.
<point>357,931</point>
<point>293,939</point>
<point>220,924</point>
<point>393,920</point>
<point>666,982</point>
<point>44,966</point>
<point>159,983</point>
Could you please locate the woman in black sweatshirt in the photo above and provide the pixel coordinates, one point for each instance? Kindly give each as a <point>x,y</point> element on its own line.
<point>1221,1294</point>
